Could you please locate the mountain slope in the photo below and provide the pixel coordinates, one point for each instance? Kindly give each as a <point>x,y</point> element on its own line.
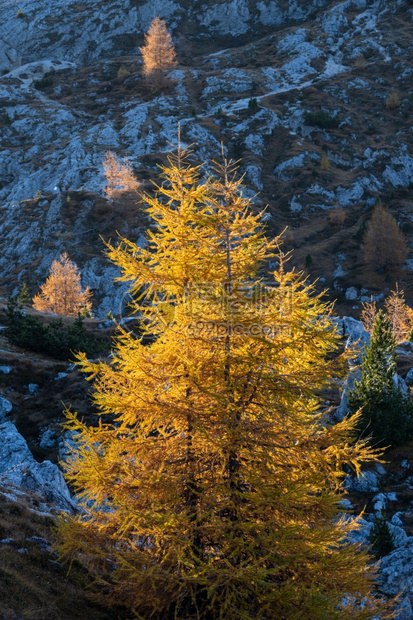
<point>296,87</point>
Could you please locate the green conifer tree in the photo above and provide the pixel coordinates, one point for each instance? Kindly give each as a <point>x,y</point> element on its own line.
<point>23,297</point>
<point>386,413</point>
<point>381,539</point>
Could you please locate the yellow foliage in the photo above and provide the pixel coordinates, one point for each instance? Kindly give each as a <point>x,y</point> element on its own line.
<point>212,489</point>
<point>62,292</point>
<point>399,313</point>
<point>122,73</point>
<point>158,52</point>
<point>119,175</point>
<point>368,315</point>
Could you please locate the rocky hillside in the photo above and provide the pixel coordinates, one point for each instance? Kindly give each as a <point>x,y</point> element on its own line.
<point>299,91</point>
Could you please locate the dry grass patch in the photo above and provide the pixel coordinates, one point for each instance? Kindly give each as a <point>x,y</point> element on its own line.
<point>33,584</point>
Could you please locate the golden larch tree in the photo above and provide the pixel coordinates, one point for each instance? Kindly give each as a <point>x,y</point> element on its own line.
<point>384,245</point>
<point>158,51</point>
<point>62,292</point>
<point>120,178</point>
<point>211,486</point>
<point>399,313</point>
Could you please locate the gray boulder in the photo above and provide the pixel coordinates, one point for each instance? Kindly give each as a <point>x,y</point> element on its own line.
<point>354,331</point>
<point>367,482</point>
<point>396,575</point>
<point>398,535</point>
<point>357,337</point>
<point>19,469</point>
<point>363,534</point>
<point>5,408</point>
<point>400,383</point>
<point>381,500</point>
<point>342,409</point>
<point>47,438</point>
<point>351,293</point>
<point>32,389</point>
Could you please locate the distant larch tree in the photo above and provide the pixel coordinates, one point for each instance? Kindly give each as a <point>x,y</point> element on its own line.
<point>158,52</point>
<point>120,178</point>
<point>62,292</point>
<point>384,245</point>
<point>398,312</point>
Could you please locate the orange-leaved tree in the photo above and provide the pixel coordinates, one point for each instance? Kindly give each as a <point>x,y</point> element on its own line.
<point>211,486</point>
<point>120,178</point>
<point>400,315</point>
<point>158,52</point>
<point>62,292</point>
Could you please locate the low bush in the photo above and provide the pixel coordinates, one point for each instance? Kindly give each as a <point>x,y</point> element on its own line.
<point>321,119</point>
<point>253,104</point>
<point>337,217</point>
<point>122,73</point>
<point>324,164</point>
<point>54,339</point>
<point>44,82</point>
<point>381,540</point>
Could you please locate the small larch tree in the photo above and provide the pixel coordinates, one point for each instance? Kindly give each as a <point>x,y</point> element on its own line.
<point>398,312</point>
<point>384,245</point>
<point>120,178</point>
<point>158,51</point>
<point>211,486</point>
<point>62,292</point>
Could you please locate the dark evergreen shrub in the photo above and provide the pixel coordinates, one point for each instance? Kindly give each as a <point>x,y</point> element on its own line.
<point>44,82</point>
<point>321,119</point>
<point>381,540</point>
<point>54,339</point>
<point>23,297</point>
<point>253,104</point>
<point>308,261</point>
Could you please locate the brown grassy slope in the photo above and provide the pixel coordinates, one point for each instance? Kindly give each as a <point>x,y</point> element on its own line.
<point>33,583</point>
